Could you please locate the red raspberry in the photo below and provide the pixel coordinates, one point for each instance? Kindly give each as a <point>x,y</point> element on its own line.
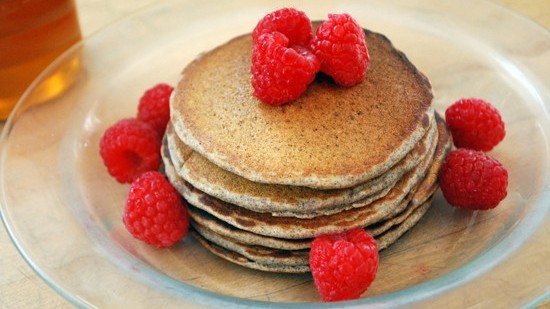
<point>475,124</point>
<point>154,107</point>
<point>129,148</point>
<point>281,73</point>
<point>471,179</point>
<point>154,211</point>
<point>340,45</point>
<point>343,265</point>
<point>294,24</point>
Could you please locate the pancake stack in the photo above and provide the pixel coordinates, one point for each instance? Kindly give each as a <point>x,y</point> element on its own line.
<point>262,181</point>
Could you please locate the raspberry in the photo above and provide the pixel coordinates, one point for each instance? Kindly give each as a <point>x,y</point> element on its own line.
<point>154,211</point>
<point>294,24</point>
<point>129,148</point>
<point>281,73</point>
<point>343,265</point>
<point>154,107</point>
<point>475,124</point>
<point>340,45</point>
<point>473,180</point>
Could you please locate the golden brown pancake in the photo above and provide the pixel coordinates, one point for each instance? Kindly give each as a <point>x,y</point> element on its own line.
<point>292,227</point>
<point>258,253</point>
<point>203,218</point>
<point>246,262</point>
<point>284,200</point>
<point>288,261</point>
<point>354,215</point>
<point>331,137</point>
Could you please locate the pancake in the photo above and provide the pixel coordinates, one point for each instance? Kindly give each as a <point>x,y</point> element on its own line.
<point>200,217</point>
<point>243,261</point>
<point>295,228</point>
<point>288,261</point>
<point>383,226</point>
<point>203,219</point>
<point>218,207</point>
<point>292,227</point>
<point>318,141</point>
<point>283,200</point>
<point>257,253</point>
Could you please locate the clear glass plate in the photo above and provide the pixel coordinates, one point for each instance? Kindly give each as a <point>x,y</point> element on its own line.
<point>63,211</point>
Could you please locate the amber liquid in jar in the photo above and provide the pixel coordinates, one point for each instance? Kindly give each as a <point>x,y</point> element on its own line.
<point>32,34</point>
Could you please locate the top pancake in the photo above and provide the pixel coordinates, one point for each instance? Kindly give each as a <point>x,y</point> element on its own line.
<point>331,137</point>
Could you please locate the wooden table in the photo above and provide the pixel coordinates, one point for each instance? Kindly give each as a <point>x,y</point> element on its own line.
<point>20,287</point>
